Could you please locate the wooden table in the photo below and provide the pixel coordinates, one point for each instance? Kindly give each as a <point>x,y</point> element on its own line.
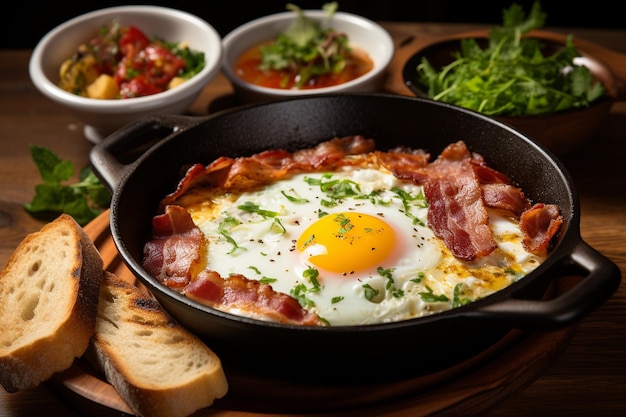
<point>589,378</point>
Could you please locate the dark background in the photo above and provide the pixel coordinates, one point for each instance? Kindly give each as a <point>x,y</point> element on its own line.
<point>23,23</point>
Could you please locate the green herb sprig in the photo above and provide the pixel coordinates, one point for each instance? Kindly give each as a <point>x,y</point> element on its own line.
<point>83,200</point>
<point>512,76</point>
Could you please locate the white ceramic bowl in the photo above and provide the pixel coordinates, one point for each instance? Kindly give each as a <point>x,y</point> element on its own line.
<point>363,33</point>
<point>102,117</point>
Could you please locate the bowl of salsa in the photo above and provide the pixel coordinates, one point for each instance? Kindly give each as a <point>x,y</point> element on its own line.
<point>112,66</point>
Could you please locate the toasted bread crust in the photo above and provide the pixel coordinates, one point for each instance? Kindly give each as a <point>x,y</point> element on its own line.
<point>158,367</point>
<point>48,303</point>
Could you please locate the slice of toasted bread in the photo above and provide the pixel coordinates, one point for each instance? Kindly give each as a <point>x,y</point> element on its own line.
<point>48,303</point>
<point>157,366</point>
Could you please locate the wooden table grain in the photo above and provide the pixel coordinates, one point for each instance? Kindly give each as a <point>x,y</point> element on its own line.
<point>588,379</point>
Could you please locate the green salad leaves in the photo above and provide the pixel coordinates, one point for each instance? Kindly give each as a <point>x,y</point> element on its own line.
<point>83,200</point>
<point>307,48</point>
<point>512,76</point>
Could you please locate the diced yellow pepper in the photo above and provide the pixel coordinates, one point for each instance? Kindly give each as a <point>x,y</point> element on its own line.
<point>104,87</point>
<point>176,81</point>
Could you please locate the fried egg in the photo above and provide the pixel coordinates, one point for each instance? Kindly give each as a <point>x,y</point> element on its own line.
<point>353,246</point>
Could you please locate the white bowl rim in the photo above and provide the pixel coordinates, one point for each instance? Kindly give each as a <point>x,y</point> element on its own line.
<point>317,14</point>
<point>49,88</point>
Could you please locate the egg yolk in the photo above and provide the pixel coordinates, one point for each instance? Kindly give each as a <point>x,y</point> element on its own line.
<point>347,242</point>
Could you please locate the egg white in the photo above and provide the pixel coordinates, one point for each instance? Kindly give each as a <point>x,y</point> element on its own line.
<point>417,278</point>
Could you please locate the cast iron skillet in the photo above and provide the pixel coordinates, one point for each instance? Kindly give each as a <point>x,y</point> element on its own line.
<point>355,353</point>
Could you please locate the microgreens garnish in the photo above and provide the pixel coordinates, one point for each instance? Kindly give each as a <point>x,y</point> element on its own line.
<point>511,76</point>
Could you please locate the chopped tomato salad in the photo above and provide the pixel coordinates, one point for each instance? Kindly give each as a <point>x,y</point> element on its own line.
<point>123,62</point>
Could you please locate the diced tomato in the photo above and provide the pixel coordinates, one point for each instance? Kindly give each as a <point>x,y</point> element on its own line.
<point>138,87</point>
<point>164,64</point>
<point>132,41</point>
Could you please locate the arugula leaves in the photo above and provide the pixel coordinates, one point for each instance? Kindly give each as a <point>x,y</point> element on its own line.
<point>511,76</point>
<point>306,48</point>
<point>83,200</point>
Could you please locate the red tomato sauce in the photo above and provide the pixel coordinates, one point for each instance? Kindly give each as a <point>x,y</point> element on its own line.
<point>247,67</point>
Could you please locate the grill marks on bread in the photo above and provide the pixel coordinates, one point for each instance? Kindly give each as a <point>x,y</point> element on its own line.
<point>157,366</point>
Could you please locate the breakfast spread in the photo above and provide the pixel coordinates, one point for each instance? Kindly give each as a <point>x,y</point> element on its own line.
<point>306,55</point>
<point>122,62</point>
<point>344,234</point>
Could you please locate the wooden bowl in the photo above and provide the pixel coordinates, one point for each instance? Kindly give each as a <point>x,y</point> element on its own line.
<point>560,132</point>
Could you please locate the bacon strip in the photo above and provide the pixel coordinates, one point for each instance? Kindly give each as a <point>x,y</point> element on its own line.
<point>540,224</point>
<point>457,214</point>
<point>247,173</point>
<point>177,245</point>
<point>240,293</point>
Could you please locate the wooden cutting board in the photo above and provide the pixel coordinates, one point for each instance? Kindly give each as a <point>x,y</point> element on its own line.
<point>469,388</point>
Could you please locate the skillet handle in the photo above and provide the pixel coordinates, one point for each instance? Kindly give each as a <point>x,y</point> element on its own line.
<point>115,155</point>
<point>600,279</point>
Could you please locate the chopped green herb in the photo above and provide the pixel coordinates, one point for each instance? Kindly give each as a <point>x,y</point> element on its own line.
<point>312,274</point>
<point>516,274</point>
<point>321,213</point>
<point>250,207</point>
<point>370,292</point>
<point>419,278</point>
<point>430,297</point>
<point>344,224</point>
<point>255,269</point>
<point>267,280</point>
<point>230,240</point>
<point>224,229</point>
<point>397,293</point>
<point>408,201</point>
<point>457,299</point>
<point>278,225</point>
<point>385,272</point>
<point>337,299</point>
<point>299,293</point>
<point>294,198</point>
